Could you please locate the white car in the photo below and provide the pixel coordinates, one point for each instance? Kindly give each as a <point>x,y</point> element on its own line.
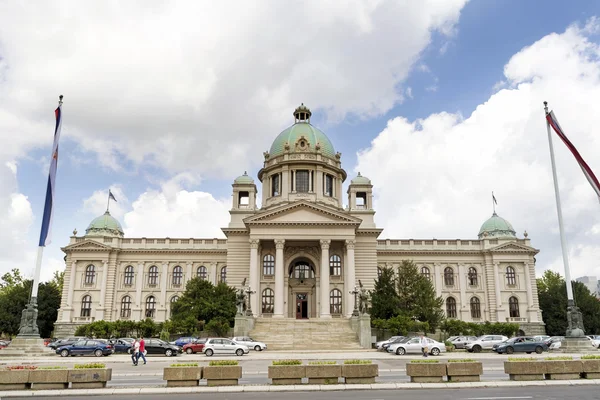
<point>413,345</point>
<point>250,343</point>
<point>486,342</point>
<point>379,345</point>
<point>595,340</point>
<point>556,345</point>
<point>224,346</point>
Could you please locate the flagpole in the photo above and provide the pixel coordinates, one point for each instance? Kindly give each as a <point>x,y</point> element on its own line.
<point>108,201</point>
<point>563,240</point>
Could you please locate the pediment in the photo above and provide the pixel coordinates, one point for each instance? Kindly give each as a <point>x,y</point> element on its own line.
<point>513,247</point>
<point>87,245</point>
<point>302,213</point>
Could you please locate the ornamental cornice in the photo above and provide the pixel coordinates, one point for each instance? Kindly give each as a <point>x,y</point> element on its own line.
<point>342,218</point>
<point>325,243</point>
<point>279,243</point>
<point>254,243</point>
<point>431,252</point>
<point>175,251</point>
<point>350,244</point>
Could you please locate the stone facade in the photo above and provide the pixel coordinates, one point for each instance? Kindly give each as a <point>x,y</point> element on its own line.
<point>301,251</point>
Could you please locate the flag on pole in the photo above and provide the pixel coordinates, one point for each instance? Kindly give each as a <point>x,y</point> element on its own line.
<point>45,235</point>
<point>587,171</point>
<point>111,196</point>
<point>494,198</point>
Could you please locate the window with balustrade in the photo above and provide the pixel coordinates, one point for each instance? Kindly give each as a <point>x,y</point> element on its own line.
<point>128,276</point>
<point>201,272</point>
<point>150,307</point>
<point>177,276</point>
<point>224,274</point>
<point>475,308</point>
<point>448,276</point>
<point>153,276</point>
<point>426,273</point>
<point>90,274</point>
<point>86,306</point>
<point>335,301</point>
<point>451,307</point>
<point>472,276</point>
<point>335,265</point>
<point>513,307</point>
<point>126,307</point>
<point>268,265</point>
<point>268,301</point>
<point>511,276</point>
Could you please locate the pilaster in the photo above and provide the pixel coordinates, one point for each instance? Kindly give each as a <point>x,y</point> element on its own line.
<point>279,275</point>
<point>351,282</point>
<point>254,275</point>
<point>325,278</point>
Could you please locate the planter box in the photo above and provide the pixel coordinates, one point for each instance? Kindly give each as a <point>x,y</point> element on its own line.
<point>464,371</point>
<point>525,370</point>
<point>226,375</point>
<point>287,374</point>
<point>591,369</point>
<point>323,374</point>
<point>360,373</point>
<point>182,376</point>
<point>89,378</point>
<point>564,369</point>
<point>426,372</point>
<point>49,379</point>
<point>14,380</point>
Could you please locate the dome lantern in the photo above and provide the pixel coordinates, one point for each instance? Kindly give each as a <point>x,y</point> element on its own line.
<point>302,114</point>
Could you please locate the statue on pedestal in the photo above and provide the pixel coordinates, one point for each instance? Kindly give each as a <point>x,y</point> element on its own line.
<point>28,325</point>
<point>363,299</point>
<point>240,299</point>
<point>575,320</point>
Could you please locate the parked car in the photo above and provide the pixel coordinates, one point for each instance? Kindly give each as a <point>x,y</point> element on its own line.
<point>65,342</point>
<point>460,342</point>
<point>224,346</point>
<point>122,346</point>
<point>525,344</point>
<point>541,338</point>
<point>553,339</point>
<point>86,347</point>
<point>486,342</point>
<point>250,343</point>
<point>158,346</point>
<point>595,340</point>
<point>3,344</point>
<point>413,345</point>
<point>556,345</point>
<point>379,345</point>
<point>399,339</point>
<point>194,347</point>
<point>184,340</point>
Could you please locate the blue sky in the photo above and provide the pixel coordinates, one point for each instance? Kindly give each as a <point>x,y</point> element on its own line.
<point>454,70</point>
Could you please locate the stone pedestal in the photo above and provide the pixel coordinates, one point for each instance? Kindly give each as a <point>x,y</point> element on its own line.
<point>243,325</point>
<point>364,333</point>
<point>577,345</point>
<point>26,347</point>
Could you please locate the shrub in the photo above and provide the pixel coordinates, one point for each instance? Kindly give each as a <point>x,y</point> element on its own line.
<point>558,358</point>
<point>222,363</point>
<point>218,326</point>
<point>184,365</point>
<point>322,362</point>
<point>521,359</point>
<point>90,366</point>
<point>449,346</point>
<point>591,357</point>
<point>52,367</point>
<point>21,367</point>
<point>357,362</point>
<point>461,360</point>
<point>424,361</point>
<point>287,362</point>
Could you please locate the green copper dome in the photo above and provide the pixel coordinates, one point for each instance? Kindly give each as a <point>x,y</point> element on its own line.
<point>244,179</point>
<point>360,180</point>
<point>497,227</point>
<point>105,224</point>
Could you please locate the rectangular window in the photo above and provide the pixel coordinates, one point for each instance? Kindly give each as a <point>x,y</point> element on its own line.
<point>275,185</point>
<point>302,178</point>
<point>328,185</point>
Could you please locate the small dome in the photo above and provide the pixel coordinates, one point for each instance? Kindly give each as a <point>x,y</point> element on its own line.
<point>360,180</point>
<point>498,228</point>
<point>244,179</point>
<point>105,224</point>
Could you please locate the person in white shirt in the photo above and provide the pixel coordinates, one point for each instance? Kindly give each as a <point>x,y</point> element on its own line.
<point>135,353</point>
<point>424,347</point>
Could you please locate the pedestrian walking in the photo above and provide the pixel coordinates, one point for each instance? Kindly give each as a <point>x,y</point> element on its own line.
<point>135,351</point>
<point>424,347</point>
<point>142,352</point>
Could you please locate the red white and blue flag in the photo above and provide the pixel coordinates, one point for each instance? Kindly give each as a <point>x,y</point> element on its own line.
<point>45,234</point>
<point>587,171</point>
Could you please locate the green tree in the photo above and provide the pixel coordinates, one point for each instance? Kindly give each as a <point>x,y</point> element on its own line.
<point>384,298</point>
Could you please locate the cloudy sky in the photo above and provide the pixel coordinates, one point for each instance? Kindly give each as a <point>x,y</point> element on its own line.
<point>439,102</point>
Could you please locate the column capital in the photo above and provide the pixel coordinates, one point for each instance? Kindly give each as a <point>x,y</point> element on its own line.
<point>254,243</point>
<point>350,244</point>
<point>325,243</point>
<point>279,243</point>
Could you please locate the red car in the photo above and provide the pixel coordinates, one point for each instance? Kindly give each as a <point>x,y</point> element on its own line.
<point>194,347</point>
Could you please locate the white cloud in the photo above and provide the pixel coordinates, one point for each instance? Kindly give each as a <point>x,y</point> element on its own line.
<point>409,92</point>
<point>97,203</point>
<point>434,176</point>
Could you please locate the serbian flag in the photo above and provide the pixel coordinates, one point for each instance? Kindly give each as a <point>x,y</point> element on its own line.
<point>587,171</point>
<point>48,205</point>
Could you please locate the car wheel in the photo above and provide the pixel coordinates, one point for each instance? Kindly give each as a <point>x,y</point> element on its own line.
<point>528,352</point>
<point>400,351</point>
<point>435,351</point>
<point>129,351</point>
<point>189,350</point>
<point>257,348</point>
<point>477,349</point>
<point>98,353</point>
<point>168,352</point>
<point>510,350</point>
<point>64,353</point>
<point>539,350</point>
<point>208,353</point>
<point>239,352</point>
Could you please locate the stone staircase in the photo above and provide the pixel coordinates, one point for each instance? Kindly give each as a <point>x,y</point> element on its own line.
<point>305,334</point>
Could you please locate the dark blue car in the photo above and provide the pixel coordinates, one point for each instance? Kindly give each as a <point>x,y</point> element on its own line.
<point>86,348</point>
<point>184,340</point>
<point>122,345</point>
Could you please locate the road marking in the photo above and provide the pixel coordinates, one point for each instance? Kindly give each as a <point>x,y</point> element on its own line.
<point>499,398</point>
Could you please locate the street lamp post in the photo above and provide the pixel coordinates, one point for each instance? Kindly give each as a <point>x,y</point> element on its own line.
<point>249,292</point>
<point>355,292</point>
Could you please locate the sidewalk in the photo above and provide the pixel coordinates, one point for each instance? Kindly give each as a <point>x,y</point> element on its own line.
<point>288,388</point>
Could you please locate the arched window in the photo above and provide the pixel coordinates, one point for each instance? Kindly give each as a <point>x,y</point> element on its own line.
<point>201,272</point>
<point>86,306</point>
<point>335,302</point>
<point>475,308</point>
<point>153,276</point>
<point>511,277</point>
<point>302,270</point>
<point>224,274</point>
<point>425,273</point>
<point>379,272</point>
<point>448,276</point>
<point>173,301</point>
<point>335,265</point>
<point>472,276</point>
<point>268,265</point>
<point>126,307</point>
<point>150,306</point>
<point>90,275</point>
<point>129,276</point>
<point>268,301</point>
<point>451,307</point>
<point>513,307</point>
<point>177,276</point>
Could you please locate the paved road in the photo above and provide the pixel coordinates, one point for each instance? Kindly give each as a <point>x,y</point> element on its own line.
<point>517,393</point>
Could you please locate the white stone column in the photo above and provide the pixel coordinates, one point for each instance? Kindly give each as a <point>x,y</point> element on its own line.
<point>104,278</point>
<point>437,276</point>
<point>279,275</point>
<point>138,290</point>
<point>254,275</point>
<point>72,284</point>
<point>189,271</point>
<point>351,277</point>
<point>325,278</point>
<point>497,278</point>
<point>462,283</point>
<point>529,288</point>
<point>163,286</point>
<point>213,273</point>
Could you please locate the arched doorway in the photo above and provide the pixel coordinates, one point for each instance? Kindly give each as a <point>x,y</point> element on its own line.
<point>302,282</point>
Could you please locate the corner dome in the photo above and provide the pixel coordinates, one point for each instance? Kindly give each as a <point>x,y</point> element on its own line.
<point>105,225</point>
<point>360,180</point>
<point>302,128</point>
<point>498,228</point>
<point>244,179</point>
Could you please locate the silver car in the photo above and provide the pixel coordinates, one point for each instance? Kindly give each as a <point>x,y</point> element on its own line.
<point>224,346</point>
<point>413,345</point>
<point>250,343</point>
<point>486,342</point>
